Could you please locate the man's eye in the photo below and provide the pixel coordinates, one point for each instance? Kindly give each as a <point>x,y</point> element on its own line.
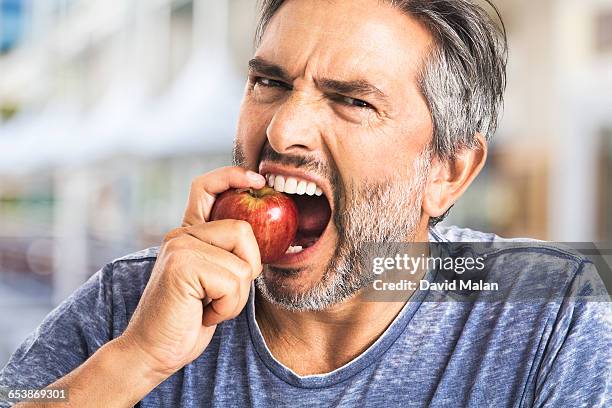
<point>268,83</point>
<point>358,103</point>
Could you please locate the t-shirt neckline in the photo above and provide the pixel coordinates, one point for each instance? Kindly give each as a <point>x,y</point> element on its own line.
<point>353,367</point>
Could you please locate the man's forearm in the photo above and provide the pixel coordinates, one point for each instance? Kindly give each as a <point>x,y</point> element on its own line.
<point>116,375</point>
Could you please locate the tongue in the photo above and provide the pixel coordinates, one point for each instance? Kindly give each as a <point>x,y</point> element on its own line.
<point>314,214</point>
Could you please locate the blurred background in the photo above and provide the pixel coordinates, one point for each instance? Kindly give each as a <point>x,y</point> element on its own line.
<point>108,109</point>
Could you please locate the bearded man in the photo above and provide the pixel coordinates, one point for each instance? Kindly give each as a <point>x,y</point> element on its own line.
<point>380,112</point>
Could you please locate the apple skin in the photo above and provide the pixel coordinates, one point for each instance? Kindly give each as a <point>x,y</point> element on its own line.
<point>272,215</point>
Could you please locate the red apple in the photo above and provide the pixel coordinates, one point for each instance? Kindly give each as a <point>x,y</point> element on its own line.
<point>272,215</point>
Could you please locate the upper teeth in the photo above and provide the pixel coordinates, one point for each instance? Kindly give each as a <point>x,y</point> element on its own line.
<point>292,185</point>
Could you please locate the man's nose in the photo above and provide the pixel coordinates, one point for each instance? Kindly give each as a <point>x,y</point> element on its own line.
<point>296,125</point>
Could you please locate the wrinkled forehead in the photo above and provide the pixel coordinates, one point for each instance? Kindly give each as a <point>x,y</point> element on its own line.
<point>345,38</point>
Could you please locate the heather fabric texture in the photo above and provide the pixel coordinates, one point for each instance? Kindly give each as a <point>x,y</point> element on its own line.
<point>553,352</point>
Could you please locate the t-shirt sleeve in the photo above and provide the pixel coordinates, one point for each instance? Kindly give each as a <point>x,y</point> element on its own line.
<point>577,366</point>
<point>66,338</point>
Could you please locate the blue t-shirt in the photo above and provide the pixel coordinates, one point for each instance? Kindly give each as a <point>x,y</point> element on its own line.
<point>552,350</point>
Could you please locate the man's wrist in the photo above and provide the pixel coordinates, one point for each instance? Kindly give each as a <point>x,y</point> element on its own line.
<point>123,357</point>
<point>117,375</point>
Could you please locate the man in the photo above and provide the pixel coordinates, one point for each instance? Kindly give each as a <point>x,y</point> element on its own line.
<point>386,106</point>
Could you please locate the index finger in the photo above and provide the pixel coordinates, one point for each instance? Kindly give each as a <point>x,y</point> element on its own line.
<point>205,188</point>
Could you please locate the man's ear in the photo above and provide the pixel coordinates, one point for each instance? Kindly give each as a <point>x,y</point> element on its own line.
<point>448,179</point>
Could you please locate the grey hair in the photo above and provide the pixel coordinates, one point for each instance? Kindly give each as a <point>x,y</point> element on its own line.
<point>464,77</point>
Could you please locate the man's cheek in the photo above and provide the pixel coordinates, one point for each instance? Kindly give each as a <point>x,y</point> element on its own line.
<point>249,143</point>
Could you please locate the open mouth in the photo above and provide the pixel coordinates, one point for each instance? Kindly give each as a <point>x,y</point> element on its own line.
<point>313,208</point>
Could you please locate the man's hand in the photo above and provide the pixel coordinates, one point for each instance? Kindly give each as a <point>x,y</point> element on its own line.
<point>202,277</point>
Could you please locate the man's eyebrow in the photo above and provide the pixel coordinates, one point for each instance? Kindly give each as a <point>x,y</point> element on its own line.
<point>261,66</point>
<point>355,87</point>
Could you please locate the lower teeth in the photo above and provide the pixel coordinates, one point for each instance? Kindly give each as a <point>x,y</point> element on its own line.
<point>294,249</point>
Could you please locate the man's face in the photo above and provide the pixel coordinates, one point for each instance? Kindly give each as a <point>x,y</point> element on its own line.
<point>333,98</point>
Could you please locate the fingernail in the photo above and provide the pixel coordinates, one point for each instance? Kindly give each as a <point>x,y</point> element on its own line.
<point>255,177</point>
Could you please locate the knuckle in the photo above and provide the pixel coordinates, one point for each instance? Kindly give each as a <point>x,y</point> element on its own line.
<point>174,259</point>
<point>169,237</point>
<point>242,228</point>
<point>172,246</point>
<point>234,171</point>
<point>243,271</point>
<point>234,283</point>
<point>197,184</point>
<point>197,181</point>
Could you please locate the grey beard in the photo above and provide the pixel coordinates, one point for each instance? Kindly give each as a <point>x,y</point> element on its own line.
<point>375,213</point>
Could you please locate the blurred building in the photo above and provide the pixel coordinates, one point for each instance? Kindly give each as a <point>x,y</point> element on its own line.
<point>108,109</point>
<point>549,174</point>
